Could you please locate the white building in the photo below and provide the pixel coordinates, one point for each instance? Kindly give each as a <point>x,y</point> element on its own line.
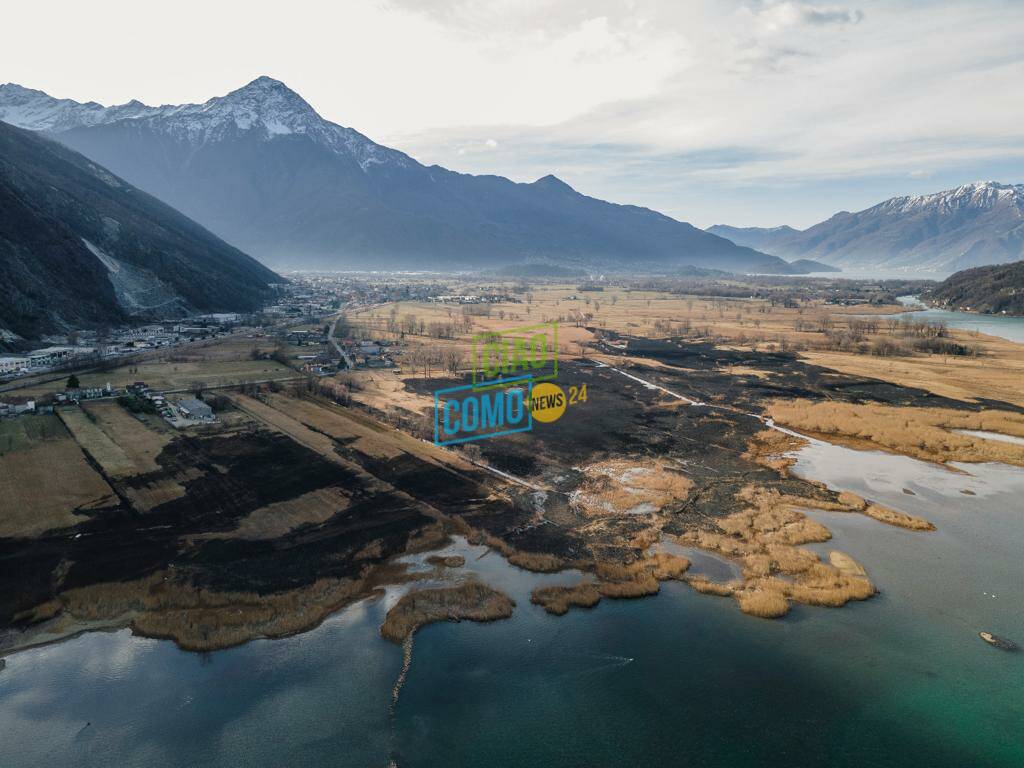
<point>13,364</point>
<point>47,357</point>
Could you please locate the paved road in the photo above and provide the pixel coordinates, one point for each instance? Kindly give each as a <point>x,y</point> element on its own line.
<point>341,351</point>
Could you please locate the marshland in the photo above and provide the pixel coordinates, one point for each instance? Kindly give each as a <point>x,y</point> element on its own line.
<point>748,484</point>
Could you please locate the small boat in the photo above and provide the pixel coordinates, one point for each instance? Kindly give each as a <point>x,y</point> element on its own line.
<point>999,642</point>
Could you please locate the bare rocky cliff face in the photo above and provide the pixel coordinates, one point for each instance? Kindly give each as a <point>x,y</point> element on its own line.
<point>80,247</point>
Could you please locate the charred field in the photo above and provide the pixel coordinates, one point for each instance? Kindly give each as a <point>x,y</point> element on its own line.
<point>299,505</point>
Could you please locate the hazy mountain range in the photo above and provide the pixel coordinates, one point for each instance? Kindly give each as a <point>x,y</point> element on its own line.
<point>973,225</point>
<point>263,170</point>
<point>81,247</point>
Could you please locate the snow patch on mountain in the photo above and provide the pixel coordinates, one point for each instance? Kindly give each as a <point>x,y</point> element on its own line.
<point>978,195</point>
<point>265,105</point>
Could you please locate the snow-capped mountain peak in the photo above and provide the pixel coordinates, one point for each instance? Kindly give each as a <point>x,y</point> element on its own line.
<point>265,102</point>
<point>265,106</point>
<point>976,195</point>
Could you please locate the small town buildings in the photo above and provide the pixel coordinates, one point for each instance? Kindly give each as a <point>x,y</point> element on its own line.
<point>195,410</point>
<point>47,357</point>
<point>17,407</point>
<point>13,364</point>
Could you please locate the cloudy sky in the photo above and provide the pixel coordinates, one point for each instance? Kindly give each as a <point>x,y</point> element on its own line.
<point>748,112</point>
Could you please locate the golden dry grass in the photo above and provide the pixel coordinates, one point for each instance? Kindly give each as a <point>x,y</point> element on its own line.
<point>766,537</point>
<point>97,444</point>
<point>846,564</point>
<point>279,518</point>
<point>766,603</point>
<point>558,599</point>
<point>995,375</point>
<point>641,586</point>
<point>640,577</point>
<point>142,438</point>
<point>622,486</point>
<point>768,446</point>
<point>46,480</point>
<point>469,600</point>
<point>708,587</point>
<point>899,519</point>
<point>922,433</point>
<point>384,389</point>
<point>165,606</point>
<point>540,562</point>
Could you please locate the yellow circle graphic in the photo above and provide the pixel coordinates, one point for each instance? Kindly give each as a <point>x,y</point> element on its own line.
<point>547,402</point>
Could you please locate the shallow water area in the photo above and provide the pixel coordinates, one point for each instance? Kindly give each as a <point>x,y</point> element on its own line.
<point>1004,326</point>
<point>898,680</point>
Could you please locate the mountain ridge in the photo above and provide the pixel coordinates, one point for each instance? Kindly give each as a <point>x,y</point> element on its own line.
<point>262,169</point>
<point>975,224</point>
<point>81,247</point>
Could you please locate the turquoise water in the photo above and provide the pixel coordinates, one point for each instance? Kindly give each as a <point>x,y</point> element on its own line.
<point>677,679</point>
<point>1004,326</point>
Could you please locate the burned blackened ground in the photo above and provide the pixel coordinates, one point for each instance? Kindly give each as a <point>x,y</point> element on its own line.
<point>394,496</point>
<point>627,419</point>
<point>783,374</point>
<point>225,478</point>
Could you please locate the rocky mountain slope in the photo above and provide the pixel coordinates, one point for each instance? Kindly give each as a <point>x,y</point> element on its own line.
<point>973,225</point>
<point>264,171</point>
<point>997,289</point>
<point>81,247</point>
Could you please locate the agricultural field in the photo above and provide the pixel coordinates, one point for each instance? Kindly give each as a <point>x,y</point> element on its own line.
<point>217,364</point>
<point>847,339</point>
<point>46,483</point>
<point>301,496</point>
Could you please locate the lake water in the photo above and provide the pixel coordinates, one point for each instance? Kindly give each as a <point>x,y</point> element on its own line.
<point>1004,326</point>
<point>677,679</point>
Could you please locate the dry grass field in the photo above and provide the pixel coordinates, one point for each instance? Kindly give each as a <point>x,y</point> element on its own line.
<point>621,486</point>
<point>97,443</point>
<point>996,373</point>
<point>220,363</point>
<point>125,446</point>
<point>275,520</point>
<point>44,477</point>
<point>923,433</point>
<point>142,437</point>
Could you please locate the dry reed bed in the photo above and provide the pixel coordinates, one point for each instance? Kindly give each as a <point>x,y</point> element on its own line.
<point>557,600</point>
<point>922,433</point>
<point>620,486</point>
<point>616,581</point>
<point>471,600</point>
<point>198,619</point>
<point>766,538</point>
